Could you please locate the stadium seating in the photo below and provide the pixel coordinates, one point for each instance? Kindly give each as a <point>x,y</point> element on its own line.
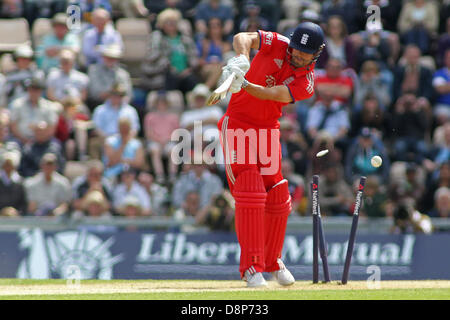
<point>41,27</point>
<point>13,33</point>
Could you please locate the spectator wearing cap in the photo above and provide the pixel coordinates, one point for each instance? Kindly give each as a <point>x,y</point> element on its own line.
<point>172,58</point>
<point>123,150</point>
<point>337,44</point>
<point>25,69</point>
<point>213,9</point>
<point>102,34</point>
<point>104,74</point>
<point>212,50</point>
<point>32,110</point>
<point>158,128</point>
<point>441,85</point>
<point>360,152</point>
<point>12,192</point>
<point>66,81</point>
<point>47,53</point>
<point>48,192</point>
<point>106,118</point>
<point>130,187</point>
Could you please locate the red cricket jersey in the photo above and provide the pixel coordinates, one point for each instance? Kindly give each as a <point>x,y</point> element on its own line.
<point>269,68</point>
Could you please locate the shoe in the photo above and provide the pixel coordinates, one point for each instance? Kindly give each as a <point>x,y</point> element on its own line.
<point>283,276</point>
<point>254,280</point>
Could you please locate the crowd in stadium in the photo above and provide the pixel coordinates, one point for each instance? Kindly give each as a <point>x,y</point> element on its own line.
<point>87,112</point>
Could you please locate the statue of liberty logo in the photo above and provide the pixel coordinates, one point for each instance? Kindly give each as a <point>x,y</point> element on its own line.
<point>56,256</point>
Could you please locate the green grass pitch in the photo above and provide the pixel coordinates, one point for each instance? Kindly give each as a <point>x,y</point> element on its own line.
<point>13,289</point>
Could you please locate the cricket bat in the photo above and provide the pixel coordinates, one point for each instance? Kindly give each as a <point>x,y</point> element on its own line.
<point>221,91</point>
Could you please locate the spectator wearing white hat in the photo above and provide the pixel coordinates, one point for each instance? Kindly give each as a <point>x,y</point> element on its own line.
<point>47,53</point>
<point>104,74</point>
<point>25,68</point>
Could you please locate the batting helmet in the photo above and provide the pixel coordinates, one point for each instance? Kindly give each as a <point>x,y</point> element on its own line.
<point>307,37</point>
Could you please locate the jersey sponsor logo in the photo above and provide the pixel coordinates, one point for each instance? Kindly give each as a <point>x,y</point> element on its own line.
<point>288,80</point>
<point>304,39</point>
<point>278,62</point>
<point>268,38</point>
<point>270,81</point>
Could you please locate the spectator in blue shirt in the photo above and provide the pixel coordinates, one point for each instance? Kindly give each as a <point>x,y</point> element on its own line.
<point>213,9</point>
<point>106,118</point>
<point>441,84</point>
<point>101,35</point>
<point>106,115</point>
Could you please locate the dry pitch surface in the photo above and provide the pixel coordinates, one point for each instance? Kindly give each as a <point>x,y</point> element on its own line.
<point>218,290</point>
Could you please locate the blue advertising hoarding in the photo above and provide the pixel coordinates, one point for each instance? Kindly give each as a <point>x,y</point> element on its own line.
<point>33,253</point>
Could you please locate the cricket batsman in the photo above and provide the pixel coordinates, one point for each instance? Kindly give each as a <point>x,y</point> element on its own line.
<point>282,72</point>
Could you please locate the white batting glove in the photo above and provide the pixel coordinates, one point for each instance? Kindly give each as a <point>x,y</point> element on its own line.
<point>241,62</point>
<point>238,80</point>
